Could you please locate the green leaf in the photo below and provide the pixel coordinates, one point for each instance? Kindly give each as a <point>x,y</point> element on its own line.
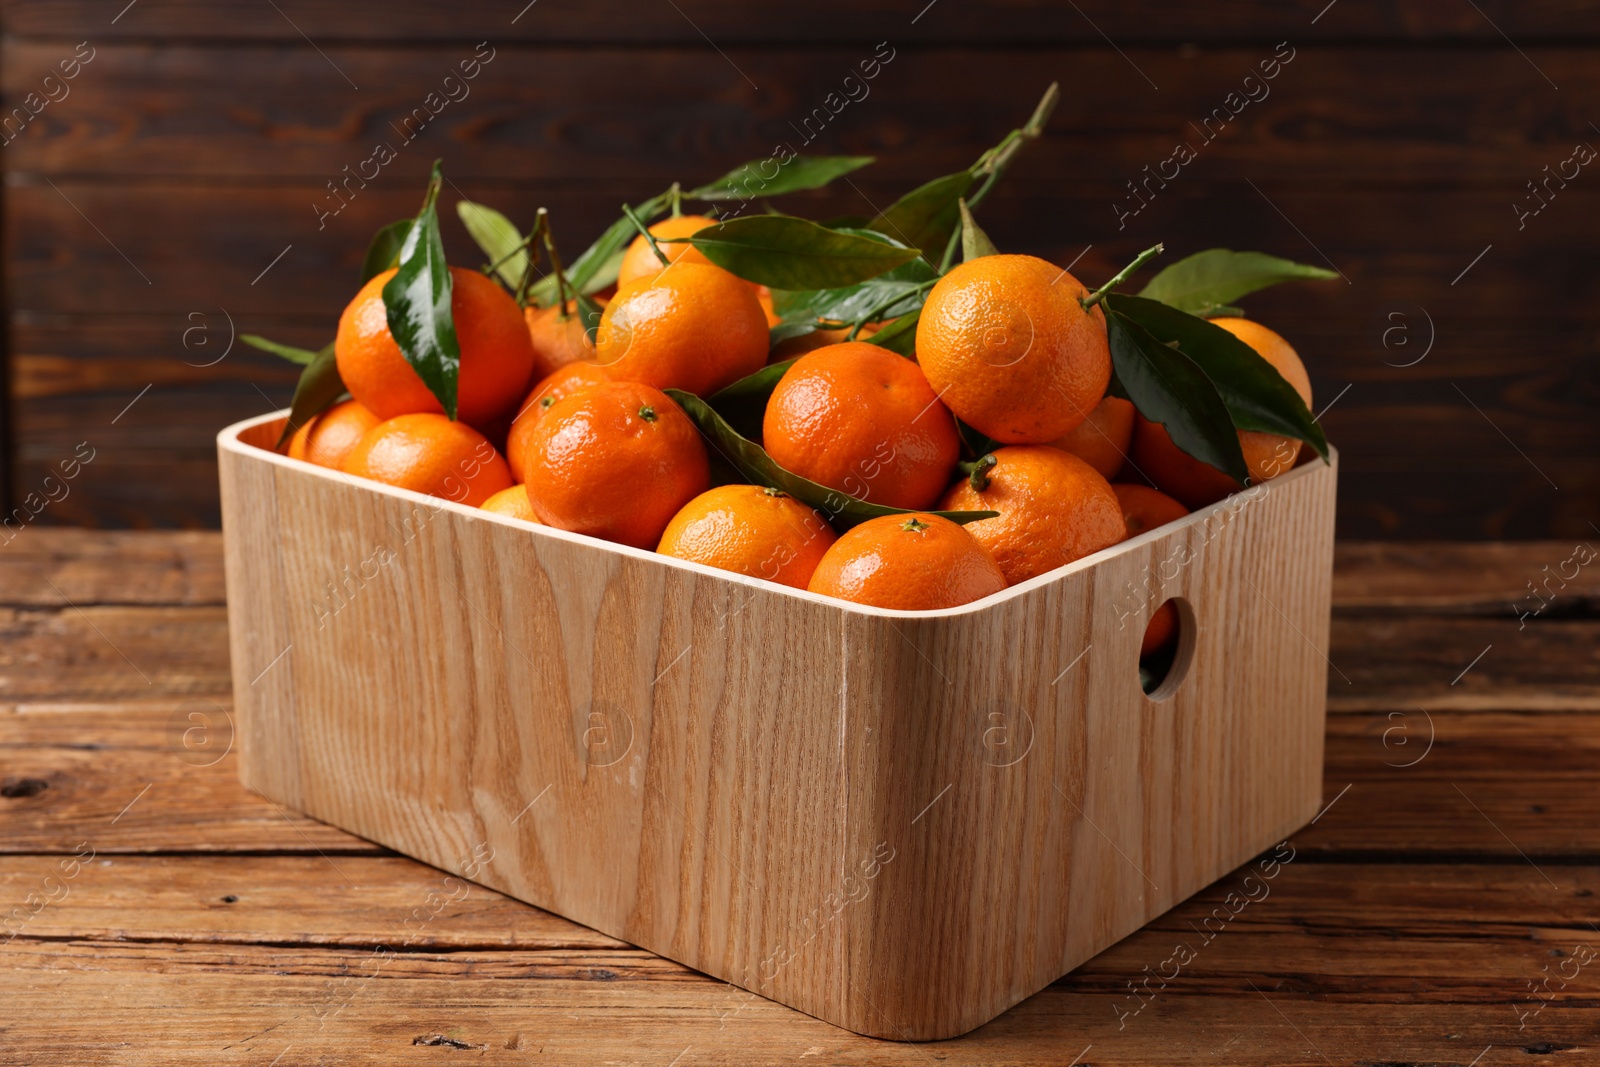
<point>748,182</point>
<point>974,242</point>
<point>384,250</point>
<point>889,295</point>
<point>788,331</point>
<point>417,300</point>
<point>1202,284</point>
<point>785,252</point>
<point>501,241</point>
<point>1257,396</point>
<point>597,266</point>
<point>319,386</point>
<point>1170,388</point>
<point>744,403</point>
<point>926,216</point>
<point>900,335</point>
<point>753,463</point>
<point>591,312</point>
<point>302,356</point>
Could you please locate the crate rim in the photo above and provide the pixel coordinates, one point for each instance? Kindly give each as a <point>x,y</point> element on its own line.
<point>229,439</point>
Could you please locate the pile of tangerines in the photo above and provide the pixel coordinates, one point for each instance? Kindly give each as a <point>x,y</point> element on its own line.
<point>563,422</point>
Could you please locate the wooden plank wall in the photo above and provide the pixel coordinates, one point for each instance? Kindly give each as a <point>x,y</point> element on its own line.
<point>168,197</point>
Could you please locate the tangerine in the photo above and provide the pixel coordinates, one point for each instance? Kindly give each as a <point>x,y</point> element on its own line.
<point>428,453</point>
<point>573,378</point>
<point>695,327</point>
<point>512,502</point>
<point>909,563</point>
<point>496,353</point>
<point>1011,350</point>
<point>1266,455</point>
<point>860,419</point>
<point>641,261</point>
<point>326,439</point>
<point>1054,508</point>
<point>558,337</point>
<point>1102,440</point>
<point>615,461</point>
<point>751,530</point>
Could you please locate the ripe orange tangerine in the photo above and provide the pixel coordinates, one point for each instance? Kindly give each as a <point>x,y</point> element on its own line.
<point>862,420</point>
<point>428,453</point>
<point>615,461</point>
<point>1266,455</point>
<point>573,378</point>
<point>1009,348</point>
<point>326,439</point>
<point>751,530</point>
<point>496,352</point>
<point>695,327</point>
<point>909,562</point>
<point>1054,508</point>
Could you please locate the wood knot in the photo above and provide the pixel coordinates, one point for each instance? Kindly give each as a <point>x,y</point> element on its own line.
<point>12,788</point>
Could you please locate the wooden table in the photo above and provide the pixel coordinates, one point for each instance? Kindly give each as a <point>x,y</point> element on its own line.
<point>1440,910</point>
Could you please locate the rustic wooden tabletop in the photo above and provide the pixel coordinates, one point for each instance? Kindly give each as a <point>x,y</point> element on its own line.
<point>1440,910</point>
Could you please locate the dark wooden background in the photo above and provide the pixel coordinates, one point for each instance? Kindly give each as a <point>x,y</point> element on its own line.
<point>141,210</point>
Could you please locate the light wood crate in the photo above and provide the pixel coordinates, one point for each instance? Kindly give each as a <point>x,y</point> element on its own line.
<point>900,822</point>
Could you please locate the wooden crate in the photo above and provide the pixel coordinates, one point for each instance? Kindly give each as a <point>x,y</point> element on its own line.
<point>900,822</point>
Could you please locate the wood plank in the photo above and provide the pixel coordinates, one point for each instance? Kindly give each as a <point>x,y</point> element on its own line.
<point>89,653</point>
<point>1531,773</point>
<point>1539,579</point>
<point>1548,663</point>
<point>1019,22</point>
<point>359,1008</point>
<point>94,568</point>
<point>361,901</point>
<point>147,111</point>
<point>348,901</point>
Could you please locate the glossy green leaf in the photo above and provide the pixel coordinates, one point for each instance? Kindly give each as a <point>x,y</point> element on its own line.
<point>597,266</point>
<point>744,403</point>
<point>974,242</point>
<point>319,386</point>
<point>590,312</point>
<point>1257,396</point>
<point>900,335</point>
<point>891,294</point>
<point>417,300</point>
<point>1202,284</point>
<point>302,356</point>
<point>1170,388</point>
<point>753,182</point>
<point>788,331</point>
<point>785,252</point>
<point>926,216</point>
<point>383,251</point>
<point>501,241</point>
<point>753,463</point>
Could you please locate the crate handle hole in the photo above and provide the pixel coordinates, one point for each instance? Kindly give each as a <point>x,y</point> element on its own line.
<point>1167,648</point>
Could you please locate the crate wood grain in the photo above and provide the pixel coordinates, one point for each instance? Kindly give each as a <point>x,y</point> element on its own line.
<point>899,822</point>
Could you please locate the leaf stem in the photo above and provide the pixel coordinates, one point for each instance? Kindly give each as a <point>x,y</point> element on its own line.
<point>644,231</point>
<point>1121,276</point>
<point>994,162</point>
<point>565,290</point>
<point>675,197</point>
<point>977,471</point>
<point>885,304</point>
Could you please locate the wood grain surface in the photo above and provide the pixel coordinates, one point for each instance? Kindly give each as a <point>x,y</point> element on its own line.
<point>1419,914</point>
<point>144,213</point>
